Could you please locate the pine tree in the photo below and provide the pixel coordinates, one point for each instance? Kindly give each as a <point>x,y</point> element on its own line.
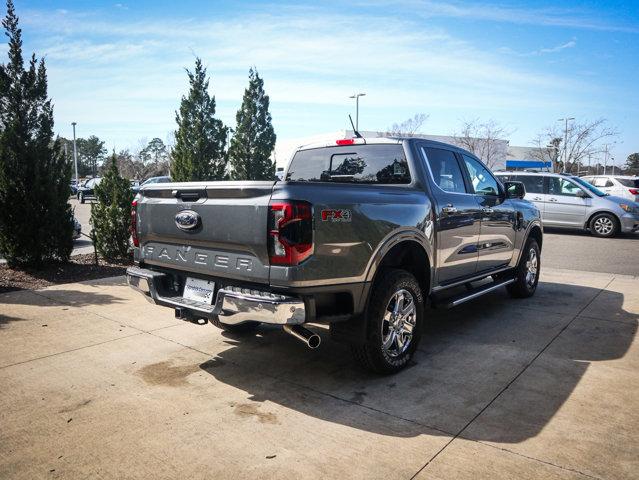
<point>36,221</point>
<point>200,140</point>
<point>632,164</point>
<point>111,214</point>
<point>254,137</point>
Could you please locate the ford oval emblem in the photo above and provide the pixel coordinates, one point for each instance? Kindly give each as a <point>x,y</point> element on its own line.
<point>187,220</point>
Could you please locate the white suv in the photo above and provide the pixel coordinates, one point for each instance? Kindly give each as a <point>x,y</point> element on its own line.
<point>617,185</point>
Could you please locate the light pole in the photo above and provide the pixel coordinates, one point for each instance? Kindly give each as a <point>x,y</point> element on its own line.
<point>75,156</point>
<point>356,97</point>
<point>567,119</point>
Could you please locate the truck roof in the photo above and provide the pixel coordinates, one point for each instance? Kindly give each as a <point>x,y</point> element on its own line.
<point>380,141</point>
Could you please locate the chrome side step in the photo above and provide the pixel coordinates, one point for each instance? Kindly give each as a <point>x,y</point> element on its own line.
<point>472,294</point>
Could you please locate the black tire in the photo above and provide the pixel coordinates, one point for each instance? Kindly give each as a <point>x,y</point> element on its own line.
<point>81,198</point>
<point>604,225</point>
<point>373,355</point>
<point>240,328</point>
<point>524,286</point>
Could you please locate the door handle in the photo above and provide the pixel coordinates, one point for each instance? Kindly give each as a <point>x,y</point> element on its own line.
<point>487,210</point>
<point>449,209</point>
<point>552,199</point>
<point>537,198</point>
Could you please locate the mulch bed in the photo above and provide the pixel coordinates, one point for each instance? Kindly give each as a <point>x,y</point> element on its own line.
<point>79,269</point>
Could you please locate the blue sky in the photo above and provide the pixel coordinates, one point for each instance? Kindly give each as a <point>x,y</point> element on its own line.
<point>118,68</point>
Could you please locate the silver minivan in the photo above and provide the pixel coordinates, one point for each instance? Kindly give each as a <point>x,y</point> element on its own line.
<point>570,202</point>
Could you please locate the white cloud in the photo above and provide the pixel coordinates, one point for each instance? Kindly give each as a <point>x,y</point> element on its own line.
<point>542,51</point>
<point>126,77</point>
<point>549,16</point>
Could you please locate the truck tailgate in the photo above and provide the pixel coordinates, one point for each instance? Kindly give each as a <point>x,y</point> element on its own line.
<point>226,237</point>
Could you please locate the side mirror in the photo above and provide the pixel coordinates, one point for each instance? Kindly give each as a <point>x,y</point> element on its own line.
<point>515,189</point>
<point>582,194</point>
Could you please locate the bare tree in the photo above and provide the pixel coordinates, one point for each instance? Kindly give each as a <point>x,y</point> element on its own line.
<point>407,128</point>
<point>581,140</point>
<point>484,139</point>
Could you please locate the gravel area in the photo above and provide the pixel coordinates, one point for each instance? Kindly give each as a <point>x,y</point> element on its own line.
<point>79,268</point>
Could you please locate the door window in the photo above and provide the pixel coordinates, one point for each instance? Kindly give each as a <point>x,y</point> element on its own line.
<point>561,186</point>
<point>602,182</point>
<point>482,180</point>
<point>533,183</point>
<point>445,169</point>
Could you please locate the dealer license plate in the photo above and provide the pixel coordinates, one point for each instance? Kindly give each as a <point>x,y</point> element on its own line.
<point>199,290</point>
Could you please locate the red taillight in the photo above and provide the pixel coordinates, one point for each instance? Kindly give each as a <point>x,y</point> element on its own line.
<point>634,191</point>
<point>290,232</point>
<point>134,223</point>
<point>345,141</point>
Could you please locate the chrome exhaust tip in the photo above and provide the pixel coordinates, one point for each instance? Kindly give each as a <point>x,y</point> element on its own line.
<point>312,340</point>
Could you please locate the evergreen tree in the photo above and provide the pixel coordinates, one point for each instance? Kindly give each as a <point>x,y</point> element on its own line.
<point>36,221</point>
<point>254,137</point>
<point>111,214</point>
<point>200,140</point>
<point>632,164</point>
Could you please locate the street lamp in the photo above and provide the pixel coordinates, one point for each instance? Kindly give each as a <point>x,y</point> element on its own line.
<point>567,119</point>
<point>75,156</point>
<point>356,97</point>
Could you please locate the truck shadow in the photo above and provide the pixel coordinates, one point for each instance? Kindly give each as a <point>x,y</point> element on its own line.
<point>467,358</point>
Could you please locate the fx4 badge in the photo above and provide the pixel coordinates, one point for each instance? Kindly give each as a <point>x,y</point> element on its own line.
<point>336,215</point>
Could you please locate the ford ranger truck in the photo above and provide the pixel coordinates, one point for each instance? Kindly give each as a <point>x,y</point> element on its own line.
<point>360,234</point>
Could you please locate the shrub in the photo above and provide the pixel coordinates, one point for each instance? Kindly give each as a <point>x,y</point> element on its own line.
<point>111,214</point>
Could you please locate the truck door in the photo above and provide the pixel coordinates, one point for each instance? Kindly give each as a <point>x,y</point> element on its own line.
<point>457,215</point>
<point>498,217</point>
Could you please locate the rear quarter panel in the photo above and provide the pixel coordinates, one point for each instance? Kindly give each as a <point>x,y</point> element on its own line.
<point>349,251</point>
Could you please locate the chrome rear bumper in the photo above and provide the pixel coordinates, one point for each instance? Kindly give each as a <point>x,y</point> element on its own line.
<point>233,305</point>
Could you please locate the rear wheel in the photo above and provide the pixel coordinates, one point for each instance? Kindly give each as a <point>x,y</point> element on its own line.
<point>239,328</point>
<point>527,272</point>
<point>395,315</point>
<point>604,225</point>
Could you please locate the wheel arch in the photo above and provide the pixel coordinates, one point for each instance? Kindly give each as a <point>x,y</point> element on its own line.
<point>598,212</point>
<point>409,254</point>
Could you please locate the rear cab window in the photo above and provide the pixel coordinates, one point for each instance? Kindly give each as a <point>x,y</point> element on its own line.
<point>362,164</point>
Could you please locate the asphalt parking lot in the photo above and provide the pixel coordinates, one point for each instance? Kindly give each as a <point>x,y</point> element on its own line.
<point>97,383</point>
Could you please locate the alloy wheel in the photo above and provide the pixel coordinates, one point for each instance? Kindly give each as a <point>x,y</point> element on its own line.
<point>603,225</point>
<point>398,323</point>
<point>532,265</point>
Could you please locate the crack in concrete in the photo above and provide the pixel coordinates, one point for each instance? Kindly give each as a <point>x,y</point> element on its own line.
<point>514,379</point>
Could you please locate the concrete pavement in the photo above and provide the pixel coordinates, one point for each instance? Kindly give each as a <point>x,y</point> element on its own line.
<point>95,382</point>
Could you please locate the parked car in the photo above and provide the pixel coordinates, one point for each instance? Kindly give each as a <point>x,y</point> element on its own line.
<point>150,181</point>
<point>617,185</point>
<point>358,235</point>
<point>86,190</point>
<point>571,202</point>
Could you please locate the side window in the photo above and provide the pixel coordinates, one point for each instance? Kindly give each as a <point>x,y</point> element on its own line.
<point>600,182</point>
<point>445,169</point>
<point>561,186</point>
<point>609,183</point>
<point>533,183</point>
<point>483,181</point>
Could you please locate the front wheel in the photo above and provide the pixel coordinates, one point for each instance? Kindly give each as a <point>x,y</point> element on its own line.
<point>395,315</point>
<point>527,272</point>
<point>604,225</point>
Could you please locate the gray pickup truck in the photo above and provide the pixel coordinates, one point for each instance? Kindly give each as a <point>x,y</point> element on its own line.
<point>360,234</point>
